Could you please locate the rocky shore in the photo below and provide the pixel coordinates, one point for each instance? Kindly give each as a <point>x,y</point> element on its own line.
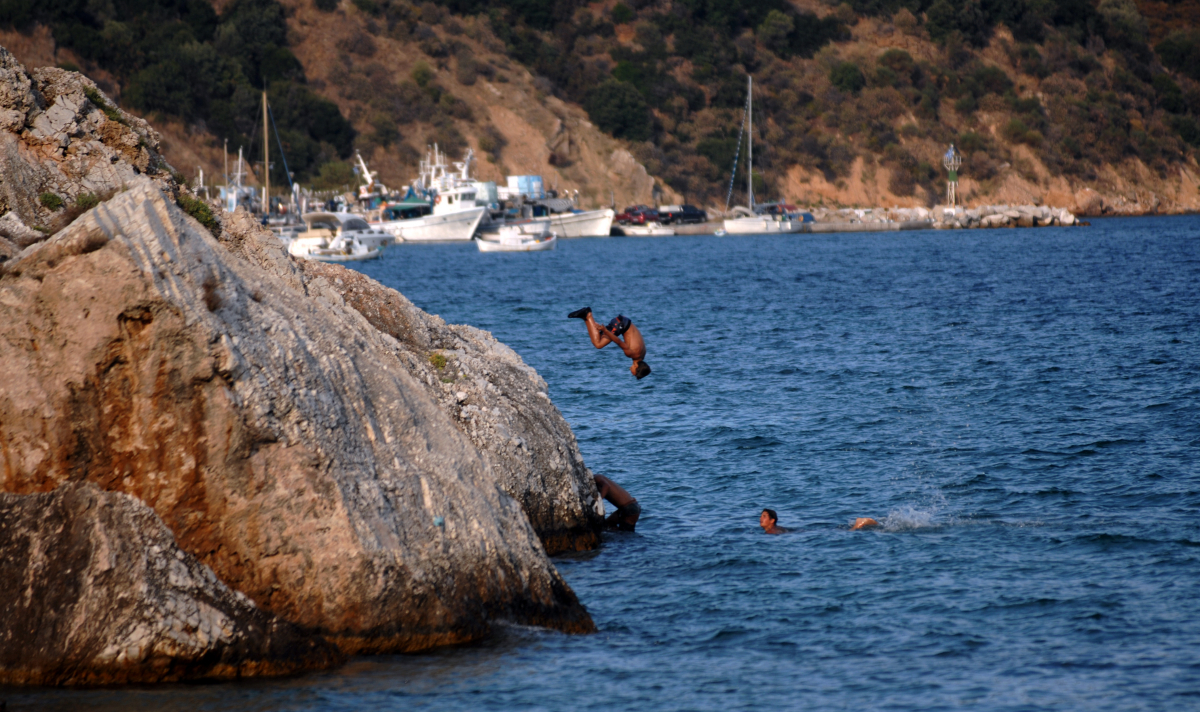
<point>336,471</point>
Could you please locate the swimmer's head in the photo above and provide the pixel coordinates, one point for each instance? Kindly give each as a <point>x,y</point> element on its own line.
<point>641,369</point>
<point>768,518</point>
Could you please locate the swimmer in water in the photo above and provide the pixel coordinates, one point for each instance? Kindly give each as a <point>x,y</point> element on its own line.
<point>601,336</point>
<point>628,511</point>
<point>769,521</point>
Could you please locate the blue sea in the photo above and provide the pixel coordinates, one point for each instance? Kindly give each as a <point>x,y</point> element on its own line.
<point>1019,408</point>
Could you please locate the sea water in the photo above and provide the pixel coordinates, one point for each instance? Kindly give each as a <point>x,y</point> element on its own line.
<point>1019,408</point>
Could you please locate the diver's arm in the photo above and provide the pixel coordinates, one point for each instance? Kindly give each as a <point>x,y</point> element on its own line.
<point>613,338</point>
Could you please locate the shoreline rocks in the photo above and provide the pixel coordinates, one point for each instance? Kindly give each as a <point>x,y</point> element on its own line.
<point>277,432</point>
<point>95,591</point>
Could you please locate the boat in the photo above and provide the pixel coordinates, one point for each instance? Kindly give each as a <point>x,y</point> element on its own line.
<point>750,221</point>
<point>648,230</point>
<point>329,225</point>
<point>510,238</point>
<point>583,223</point>
<point>343,248</point>
<point>439,207</point>
<point>338,237</point>
<point>536,227</point>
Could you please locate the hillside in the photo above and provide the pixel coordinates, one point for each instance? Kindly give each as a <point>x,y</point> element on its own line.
<point>1091,106</point>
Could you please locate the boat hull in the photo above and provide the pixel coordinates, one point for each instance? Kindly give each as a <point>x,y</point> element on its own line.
<point>448,227</point>
<point>523,245</point>
<point>648,230</point>
<point>361,257</point>
<point>762,226</point>
<point>591,223</point>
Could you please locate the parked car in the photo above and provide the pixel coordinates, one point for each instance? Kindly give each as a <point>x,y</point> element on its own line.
<point>637,215</point>
<point>782,210</point>
<point>668,214</point>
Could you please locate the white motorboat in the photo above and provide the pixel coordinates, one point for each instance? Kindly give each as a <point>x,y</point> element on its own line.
<point>752,223</point>
<point>449,214</point>
<point>647,230</point>
<point>343,248</point>
<point>585,223</point>
<point>328,226</point>
<point>510,238</point>
<point>536,227</point>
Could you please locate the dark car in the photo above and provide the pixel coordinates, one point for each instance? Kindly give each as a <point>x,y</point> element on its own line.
<point>637,215</point>
<point>681,214</point>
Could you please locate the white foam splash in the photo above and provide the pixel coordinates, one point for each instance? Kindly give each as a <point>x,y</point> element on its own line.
<point>907,518</point>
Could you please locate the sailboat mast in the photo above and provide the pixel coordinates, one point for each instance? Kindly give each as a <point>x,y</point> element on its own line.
<point>266,161</point>
<point>750,154</point>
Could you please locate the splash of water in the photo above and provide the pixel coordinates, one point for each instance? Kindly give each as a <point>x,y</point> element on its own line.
<point>908,518</point>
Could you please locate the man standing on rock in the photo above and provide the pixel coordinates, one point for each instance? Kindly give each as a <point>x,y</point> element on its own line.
<point>628,511</point>
<point>601,336</point>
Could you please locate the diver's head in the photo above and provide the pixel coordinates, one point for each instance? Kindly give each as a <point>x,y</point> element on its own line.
<point>767,519</point>
<point>641,369</point>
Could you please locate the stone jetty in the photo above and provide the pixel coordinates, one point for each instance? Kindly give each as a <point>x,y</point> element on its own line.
<point>336,471</point>
<point>939,218</point>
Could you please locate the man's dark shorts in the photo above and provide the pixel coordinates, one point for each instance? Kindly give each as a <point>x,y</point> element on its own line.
<point>625,518</point>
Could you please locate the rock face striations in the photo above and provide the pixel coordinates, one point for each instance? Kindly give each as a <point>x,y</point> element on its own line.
<point>355,467</point>
<point>495,399</point>
<point>94,590</point>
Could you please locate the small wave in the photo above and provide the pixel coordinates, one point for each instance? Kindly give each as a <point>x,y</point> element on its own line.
<point>757,442</point>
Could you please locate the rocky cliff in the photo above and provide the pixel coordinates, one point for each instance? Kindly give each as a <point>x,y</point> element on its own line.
<point>94,590</point>
<point>352,465</point>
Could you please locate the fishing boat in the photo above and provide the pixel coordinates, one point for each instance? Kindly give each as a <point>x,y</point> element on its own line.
<point>583,223</point>
<point>338,237</point>
<point>343,248</point>
<point>749,220</point>
<point>511,239</point>
<point>440,206</point>
<point>650,229</point>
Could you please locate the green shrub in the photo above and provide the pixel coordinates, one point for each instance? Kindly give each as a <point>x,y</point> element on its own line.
<point>619,109</point>
<point>422,74</point>
<point>1181,51</point>
<point>438,361</point>
<point>86,201</point>
<point>1188,129</point>
<point>621,14</point>
<point>1170,96</point>
<point>199,210</point>
<point>334,175</point>
<point>847,77</point>
<point>326,5</point>
<point>99,102</point>
<point>50,201</point>
<point>971,142</point>
<point>370,7</point>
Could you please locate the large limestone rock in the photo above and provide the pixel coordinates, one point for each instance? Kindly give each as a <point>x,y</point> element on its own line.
<point>279,435</point>
<point>60,134</point>
<point>497,400</point>
<point>94,591</point>
<point>483,386</point>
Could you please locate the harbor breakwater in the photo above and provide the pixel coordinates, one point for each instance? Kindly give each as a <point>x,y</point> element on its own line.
<point>940,218</point>
<point>232,463</point>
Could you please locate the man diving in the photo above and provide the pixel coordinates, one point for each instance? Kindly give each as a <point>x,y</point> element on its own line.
<point>601,336</point>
